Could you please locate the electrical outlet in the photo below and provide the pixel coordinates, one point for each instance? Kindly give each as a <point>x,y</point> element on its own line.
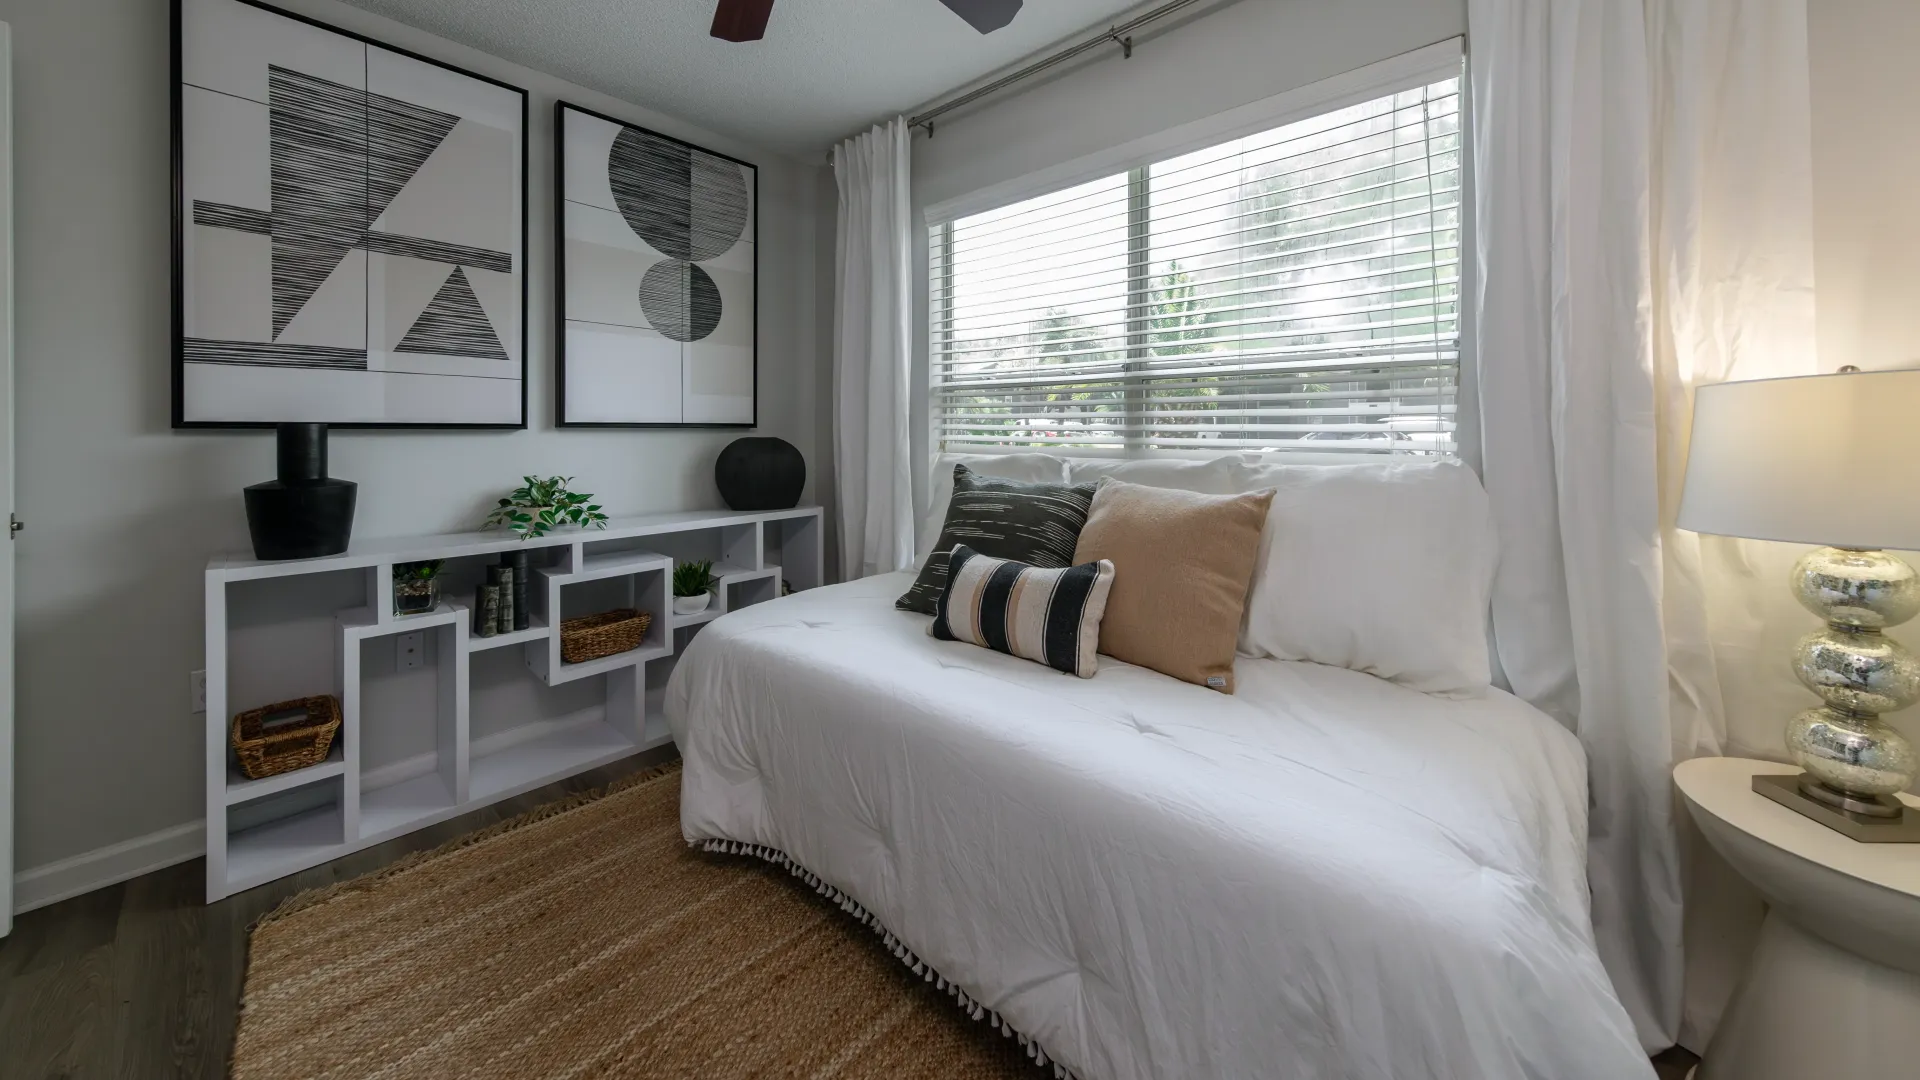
<point>197,689</point>
<point>413,649</point>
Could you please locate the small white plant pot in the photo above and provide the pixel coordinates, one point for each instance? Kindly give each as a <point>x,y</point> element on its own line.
<point>691,605</point>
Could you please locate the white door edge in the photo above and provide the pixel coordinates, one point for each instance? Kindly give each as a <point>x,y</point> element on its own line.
<point>6,479</point>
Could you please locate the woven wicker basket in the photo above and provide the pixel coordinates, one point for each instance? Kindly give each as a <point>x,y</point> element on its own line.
<point>295,746</point>
<point>591,637</point>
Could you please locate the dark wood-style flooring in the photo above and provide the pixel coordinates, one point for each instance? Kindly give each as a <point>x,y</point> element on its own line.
<point>141,980</point>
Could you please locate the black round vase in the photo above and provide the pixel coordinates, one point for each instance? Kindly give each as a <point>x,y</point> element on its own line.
<point>760,473</point>
<point>304,514</point>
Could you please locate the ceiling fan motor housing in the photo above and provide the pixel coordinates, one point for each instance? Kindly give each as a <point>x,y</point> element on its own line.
<point>746,20</point>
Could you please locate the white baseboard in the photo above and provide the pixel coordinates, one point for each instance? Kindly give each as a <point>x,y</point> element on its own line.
<point>110,865</point>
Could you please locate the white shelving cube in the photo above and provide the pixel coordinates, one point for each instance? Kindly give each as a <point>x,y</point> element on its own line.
<point>279,630</point>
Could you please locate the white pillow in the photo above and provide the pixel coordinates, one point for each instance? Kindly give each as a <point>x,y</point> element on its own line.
<point>1384,567</point>
<point>1217,476</point>
<point>1032,468</point>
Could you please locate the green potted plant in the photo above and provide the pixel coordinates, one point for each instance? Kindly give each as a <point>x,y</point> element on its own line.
<point>693,584</point>
<point>416,586</point>
<point>540,505</point>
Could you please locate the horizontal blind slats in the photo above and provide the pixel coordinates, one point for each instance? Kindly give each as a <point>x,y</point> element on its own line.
<point>1200,206</point>
<point>1295,290</point>
<point>1439,107</point>
<point>1300,253</point>
<point>1088,240</point>
<point>1223,364</point>
<point>1256,320</point>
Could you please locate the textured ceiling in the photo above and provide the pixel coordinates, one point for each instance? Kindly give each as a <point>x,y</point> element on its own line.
<point>826,69</point>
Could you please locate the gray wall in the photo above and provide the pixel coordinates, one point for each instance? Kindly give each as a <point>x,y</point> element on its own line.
<point>122,512</point>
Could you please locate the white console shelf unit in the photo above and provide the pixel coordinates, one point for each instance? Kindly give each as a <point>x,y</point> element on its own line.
<point>467,720</point>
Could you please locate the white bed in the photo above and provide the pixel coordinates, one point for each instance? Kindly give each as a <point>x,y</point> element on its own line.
<point>1325,875</point>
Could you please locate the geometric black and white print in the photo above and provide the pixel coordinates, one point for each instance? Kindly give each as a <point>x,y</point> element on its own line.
<point>454,324</point>
<point>350,245</point>
<point>657,290</point>
<point>680,299</point>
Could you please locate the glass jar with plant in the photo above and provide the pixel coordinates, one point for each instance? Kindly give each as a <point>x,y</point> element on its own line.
<point>416,586</point>
<point>693,584</point>
<point>541,505</point>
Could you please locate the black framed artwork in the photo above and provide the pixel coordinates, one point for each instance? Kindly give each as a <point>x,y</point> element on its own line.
<point>350,229</point>
<point>657,275</point>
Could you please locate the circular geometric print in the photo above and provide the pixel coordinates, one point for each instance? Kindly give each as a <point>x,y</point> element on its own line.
<point>685,203</point>
<point>680,300</point>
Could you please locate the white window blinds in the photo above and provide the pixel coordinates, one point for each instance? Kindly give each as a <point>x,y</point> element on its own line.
<point>1294,290</point>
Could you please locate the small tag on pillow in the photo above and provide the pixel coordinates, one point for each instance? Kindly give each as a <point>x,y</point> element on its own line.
<point>1216,682</point>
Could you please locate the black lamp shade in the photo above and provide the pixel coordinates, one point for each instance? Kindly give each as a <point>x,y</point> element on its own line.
<point>760,473</point>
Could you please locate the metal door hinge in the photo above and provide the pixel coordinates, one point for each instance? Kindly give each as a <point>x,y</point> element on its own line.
<point>14,525</point>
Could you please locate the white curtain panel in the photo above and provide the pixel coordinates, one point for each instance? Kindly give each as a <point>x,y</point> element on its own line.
<point>1643,225</point>
<point>871,352</point>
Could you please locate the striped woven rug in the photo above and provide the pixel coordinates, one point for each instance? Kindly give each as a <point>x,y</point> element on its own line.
<point>587,940</point>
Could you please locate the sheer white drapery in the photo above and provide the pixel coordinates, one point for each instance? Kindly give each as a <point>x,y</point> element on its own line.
<point>1643,209</point>
<point>872,353</point>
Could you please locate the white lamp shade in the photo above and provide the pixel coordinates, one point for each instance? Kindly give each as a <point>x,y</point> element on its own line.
<point>1822,459</point>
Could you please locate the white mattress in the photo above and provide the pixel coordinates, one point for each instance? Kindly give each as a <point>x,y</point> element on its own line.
<point>1325,875</point>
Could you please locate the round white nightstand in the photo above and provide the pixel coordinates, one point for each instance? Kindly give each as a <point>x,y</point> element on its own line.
<point>1834,985</point>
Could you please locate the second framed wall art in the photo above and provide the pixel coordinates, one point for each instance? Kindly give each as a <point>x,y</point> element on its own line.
<point>656,278</point>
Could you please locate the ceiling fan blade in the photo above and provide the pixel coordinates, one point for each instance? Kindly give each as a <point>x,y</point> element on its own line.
<point>985,16</point>
<point>741,20</point>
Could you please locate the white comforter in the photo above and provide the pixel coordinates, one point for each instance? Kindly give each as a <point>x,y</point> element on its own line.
<point>1325,875</point>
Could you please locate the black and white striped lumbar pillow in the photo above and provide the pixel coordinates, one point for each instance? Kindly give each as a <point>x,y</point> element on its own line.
<point>1051,616</point>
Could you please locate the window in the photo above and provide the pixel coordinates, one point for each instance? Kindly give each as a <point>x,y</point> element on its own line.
<point>1294,290</point>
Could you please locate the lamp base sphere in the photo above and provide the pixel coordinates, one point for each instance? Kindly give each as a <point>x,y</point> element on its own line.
<point>1857,670</point>
<point>1852,755</point>
<point>1859,588</point>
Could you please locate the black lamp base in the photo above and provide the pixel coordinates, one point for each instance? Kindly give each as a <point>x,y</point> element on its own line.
<point>301,520</point>
<point>303,514</point>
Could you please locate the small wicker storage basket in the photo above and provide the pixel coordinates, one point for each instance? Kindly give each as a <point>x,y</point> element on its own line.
<point>591,637</point>
<point>265,753</point>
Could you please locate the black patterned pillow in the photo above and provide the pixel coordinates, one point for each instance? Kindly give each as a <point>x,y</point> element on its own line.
<point>1051,617</point>
<point>1036,524</point>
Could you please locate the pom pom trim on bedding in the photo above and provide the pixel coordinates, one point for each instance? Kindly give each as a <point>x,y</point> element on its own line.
<point>901,952</point>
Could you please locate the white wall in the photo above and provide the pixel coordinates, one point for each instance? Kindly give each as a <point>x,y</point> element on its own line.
<point>122,512</point>
<point>1866,176</point>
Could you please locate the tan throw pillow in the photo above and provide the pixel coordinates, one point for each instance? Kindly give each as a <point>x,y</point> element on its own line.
<point>1182,562</point>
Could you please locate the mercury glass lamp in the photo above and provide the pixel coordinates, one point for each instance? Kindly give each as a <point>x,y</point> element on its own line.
<point>1831,460</point>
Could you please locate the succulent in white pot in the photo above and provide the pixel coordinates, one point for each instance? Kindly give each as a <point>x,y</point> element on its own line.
<point>693,584</point>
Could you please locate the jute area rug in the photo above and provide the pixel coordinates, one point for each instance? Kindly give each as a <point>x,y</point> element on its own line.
<point>587,940</point>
